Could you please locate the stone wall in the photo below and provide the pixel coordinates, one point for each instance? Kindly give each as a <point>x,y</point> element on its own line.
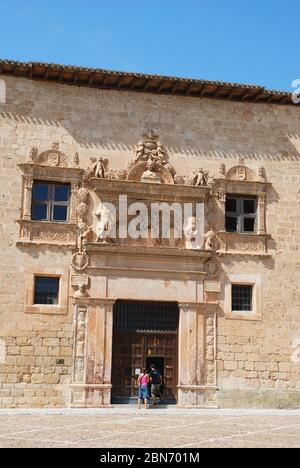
<point>255,366</point>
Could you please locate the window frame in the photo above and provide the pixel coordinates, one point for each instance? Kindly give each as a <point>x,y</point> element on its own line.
<point>254,280</point>
<point>63,298</point>
<point>242,311</point>
<point>240,214</point>
<point>58,277</point>
<point>50,203</point>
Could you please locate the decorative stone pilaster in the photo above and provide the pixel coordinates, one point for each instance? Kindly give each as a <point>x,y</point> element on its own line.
<point>91,386</point>
<point>197,378</point>
<point>261,214</point>
<point>79,366</point>
<point>222,209</point>
<point>28,184</point>
<point>74,201</point>
<point>210,350</point>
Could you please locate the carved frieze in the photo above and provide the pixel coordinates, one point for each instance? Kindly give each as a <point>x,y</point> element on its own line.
<point>48,233</point>
<point>234,243</point>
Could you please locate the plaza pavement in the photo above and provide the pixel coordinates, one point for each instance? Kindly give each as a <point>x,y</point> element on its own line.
<point>126,427</point>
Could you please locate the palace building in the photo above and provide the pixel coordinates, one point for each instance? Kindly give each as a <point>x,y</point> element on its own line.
<point>94,286</point>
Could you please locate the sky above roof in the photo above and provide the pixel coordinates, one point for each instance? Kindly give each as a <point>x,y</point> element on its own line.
<point>245,41</point>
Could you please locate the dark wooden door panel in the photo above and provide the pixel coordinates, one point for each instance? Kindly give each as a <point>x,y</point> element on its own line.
<point>131,351</point>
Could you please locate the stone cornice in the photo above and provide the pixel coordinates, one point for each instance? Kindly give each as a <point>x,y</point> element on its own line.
<point>143,251</point>
<point>211,308</point>
<point>50,173</point>
<point>156,192</point>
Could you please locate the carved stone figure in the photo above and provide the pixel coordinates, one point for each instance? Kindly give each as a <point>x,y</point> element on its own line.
<point>80,282</point>
<point>82,211</point>
<point>150,176</point>
<point>76,160</point>
<point>209,240</point>
<point>33,154</point>
<point>262,174</point>
<point>139,151</point>
<point>191,235</point>
<point>151,150</point>
<point>99,169</point>
<point>106,224</point>
<point>222,170</point>
<point>200,178</point>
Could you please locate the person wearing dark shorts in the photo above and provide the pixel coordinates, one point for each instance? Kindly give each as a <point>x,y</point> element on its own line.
<point>156,382</point>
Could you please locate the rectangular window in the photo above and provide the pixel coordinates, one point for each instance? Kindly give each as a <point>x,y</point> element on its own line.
<point>50,202</point>
<point>242,296</point>
<point>46,290</point>
<point>241,214</point>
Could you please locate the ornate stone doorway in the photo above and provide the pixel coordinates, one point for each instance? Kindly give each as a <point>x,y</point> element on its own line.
<point>144,333</point>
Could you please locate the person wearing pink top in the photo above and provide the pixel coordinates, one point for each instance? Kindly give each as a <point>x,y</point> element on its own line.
<point>144,396</point>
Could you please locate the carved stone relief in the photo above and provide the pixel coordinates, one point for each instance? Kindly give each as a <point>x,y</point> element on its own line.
<point>209,240</point>
<point>106,224</point>
<point>80,282</point>
<point>80,259</point>
<point>191,235</point>
<point>150,164</point>
<point>80,345</point>
<point>210,361</point>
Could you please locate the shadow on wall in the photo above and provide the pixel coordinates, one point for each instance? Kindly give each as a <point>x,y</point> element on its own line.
<point>291,142</point>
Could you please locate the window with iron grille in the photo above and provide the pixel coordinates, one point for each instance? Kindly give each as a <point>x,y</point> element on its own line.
<point>46,290</point>
<point>241,214</point>
<point>146,316</point>
<point>50,202</point>
<point>242,298</point>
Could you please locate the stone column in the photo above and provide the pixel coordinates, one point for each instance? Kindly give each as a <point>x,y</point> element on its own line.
<point>261,214</point>
<point>28,184</point>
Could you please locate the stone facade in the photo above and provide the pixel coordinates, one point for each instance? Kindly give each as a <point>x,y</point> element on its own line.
<point>60,355</point>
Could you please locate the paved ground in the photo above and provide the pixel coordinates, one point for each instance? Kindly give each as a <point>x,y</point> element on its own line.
<point>159,428</point>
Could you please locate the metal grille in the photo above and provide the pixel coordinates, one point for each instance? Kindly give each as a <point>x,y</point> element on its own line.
<point>46,290</point>
<point>146,316</point>
<point>242,297</point>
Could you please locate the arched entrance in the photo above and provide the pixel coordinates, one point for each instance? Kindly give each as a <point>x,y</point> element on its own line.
<point>144,333</point>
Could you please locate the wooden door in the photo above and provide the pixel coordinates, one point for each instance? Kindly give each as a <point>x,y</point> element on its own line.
<point>132,351</point>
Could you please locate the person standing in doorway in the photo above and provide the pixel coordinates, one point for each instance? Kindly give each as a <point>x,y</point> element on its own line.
<point>144,396</point>
<point>156,382</point>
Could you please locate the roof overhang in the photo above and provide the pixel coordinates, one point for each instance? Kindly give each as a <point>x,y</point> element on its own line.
<point>107,79</point>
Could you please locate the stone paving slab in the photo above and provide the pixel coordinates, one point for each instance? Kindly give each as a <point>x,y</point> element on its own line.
<point>126,427</point>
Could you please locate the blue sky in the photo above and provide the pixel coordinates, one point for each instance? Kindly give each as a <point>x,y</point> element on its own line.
<point>247,41</point>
